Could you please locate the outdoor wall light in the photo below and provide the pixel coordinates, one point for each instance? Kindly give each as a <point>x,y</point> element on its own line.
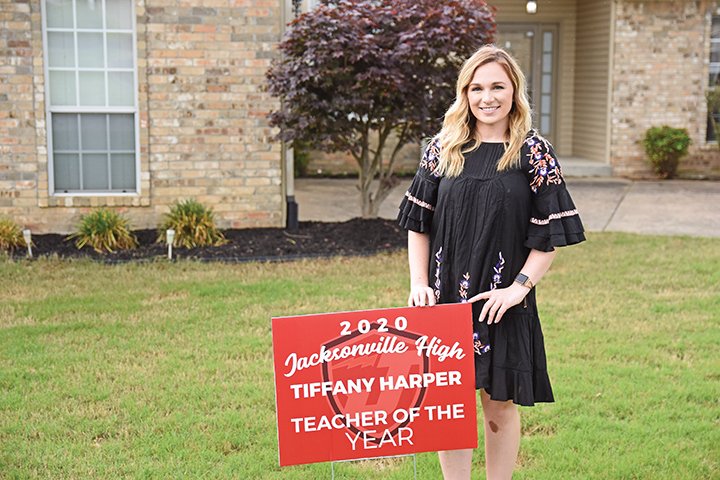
<point>531,7</point>
<point>170,238</point>
<point>27,236</point>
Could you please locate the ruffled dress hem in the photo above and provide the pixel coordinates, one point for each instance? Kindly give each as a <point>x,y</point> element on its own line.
<point>523,388</point>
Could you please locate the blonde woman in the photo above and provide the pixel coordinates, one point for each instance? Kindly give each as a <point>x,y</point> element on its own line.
<point>484,214</point>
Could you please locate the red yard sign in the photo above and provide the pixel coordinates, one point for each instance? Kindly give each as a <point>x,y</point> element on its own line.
<point>374,383</point>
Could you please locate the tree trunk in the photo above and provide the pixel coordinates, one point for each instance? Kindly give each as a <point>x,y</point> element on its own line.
<point>372,167</point>
<point>366,176</point>
<point>386,179</point>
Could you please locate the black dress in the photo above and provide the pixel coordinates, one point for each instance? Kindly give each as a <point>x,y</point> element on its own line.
<point>482,225</point>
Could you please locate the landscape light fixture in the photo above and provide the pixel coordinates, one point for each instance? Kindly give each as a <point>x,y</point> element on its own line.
<point>27,236</point>
<point>531,7</point>
<point>170,238</point>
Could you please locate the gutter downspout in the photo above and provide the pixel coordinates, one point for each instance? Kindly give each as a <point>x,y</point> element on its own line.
<point>289,10</point>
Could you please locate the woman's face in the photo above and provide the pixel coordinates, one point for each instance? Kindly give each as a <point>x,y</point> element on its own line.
<point>490,95</point>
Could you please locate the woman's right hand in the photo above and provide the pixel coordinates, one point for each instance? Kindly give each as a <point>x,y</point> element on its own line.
<point>420,296</point>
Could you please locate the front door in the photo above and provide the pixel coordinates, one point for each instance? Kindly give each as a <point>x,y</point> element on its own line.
<point>534,48</point>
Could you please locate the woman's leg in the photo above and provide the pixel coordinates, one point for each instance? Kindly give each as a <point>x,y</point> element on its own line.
<point>502,437</point>
<point>455,464</point>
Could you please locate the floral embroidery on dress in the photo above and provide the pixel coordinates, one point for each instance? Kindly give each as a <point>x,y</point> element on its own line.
<point>431,157</point>
<point>543,165</point>
<point>438,263</point>
<point>498,268</point>
<point>464,285</point>
<point>478,345</point>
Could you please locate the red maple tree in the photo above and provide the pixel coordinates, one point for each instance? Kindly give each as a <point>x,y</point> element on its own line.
<point>353,72</point>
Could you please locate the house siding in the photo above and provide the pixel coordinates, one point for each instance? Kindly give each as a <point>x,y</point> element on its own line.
<point>203,127</point>
<point>592,78</point>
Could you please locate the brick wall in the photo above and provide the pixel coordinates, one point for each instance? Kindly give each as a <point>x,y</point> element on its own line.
<point>203,128</point>
<point>660,76</point>
<point>18,123</point>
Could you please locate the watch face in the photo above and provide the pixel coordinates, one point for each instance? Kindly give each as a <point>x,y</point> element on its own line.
<point>521,278</point>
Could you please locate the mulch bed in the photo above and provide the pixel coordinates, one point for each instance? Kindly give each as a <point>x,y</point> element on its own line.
<point>312,239</point>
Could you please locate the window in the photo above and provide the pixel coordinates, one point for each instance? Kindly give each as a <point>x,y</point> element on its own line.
<point>91,96</point>
<point>546,90</point>
<point>714,81</point>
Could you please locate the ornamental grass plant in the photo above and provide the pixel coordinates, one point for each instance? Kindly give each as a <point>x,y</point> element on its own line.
<point>10,235</point>
<point>194,225</point>
<point>105,231</point>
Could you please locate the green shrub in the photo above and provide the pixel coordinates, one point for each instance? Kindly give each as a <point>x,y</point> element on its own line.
<point>194,225</point>
<point>10,235</point>
<point>105,231</point>
<point>665,146</point>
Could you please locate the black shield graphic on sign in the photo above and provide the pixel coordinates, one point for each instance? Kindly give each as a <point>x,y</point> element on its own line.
<point>388,366</point>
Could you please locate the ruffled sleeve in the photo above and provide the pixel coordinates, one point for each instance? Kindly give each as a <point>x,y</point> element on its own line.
<point>554,220</point>
<point>418,205</point>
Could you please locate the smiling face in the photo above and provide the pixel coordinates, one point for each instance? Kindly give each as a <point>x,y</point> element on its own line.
<point>490,96</point>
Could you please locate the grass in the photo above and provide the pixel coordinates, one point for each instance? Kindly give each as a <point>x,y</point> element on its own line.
<point>164,370</point>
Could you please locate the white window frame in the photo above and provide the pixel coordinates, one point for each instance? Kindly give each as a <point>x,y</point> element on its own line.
<point>49,109</point>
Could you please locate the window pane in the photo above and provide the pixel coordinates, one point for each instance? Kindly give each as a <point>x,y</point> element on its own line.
<point>64,131</point>
<point>90,50</point>
<point>545,124</point>
<point>545,104</point>
<point>715,32</point>
<point>122,132</point>
<point>121,89</point>
<point>120,50</point>
<point>92,88</point>
<point>61,50</point>
<point>89,13</point>
<point>547,41</point>
<point>95,172</point>
<point>123,171</point>
<point>715,55</point>
<point>714,78</point>
<point>62,88</point>
<point>119,14</point>
<point>59,13</point>
<point>66,171</point>
<point>93,131</point>
<point>547,63</point>
<point>546,83</point>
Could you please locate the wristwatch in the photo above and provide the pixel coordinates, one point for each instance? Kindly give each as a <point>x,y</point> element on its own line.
<point>524,280</point>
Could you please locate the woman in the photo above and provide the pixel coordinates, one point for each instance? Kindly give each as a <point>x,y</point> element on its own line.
<point>484,214</point>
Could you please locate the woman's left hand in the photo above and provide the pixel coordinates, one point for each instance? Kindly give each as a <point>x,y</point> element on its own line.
<point>499,301</point>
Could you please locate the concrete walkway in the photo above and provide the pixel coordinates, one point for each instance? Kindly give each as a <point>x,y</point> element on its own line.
<point>675,207</point>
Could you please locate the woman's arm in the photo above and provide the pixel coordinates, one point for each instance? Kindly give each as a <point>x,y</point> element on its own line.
<point>419,259</point>
<point>501,299</point>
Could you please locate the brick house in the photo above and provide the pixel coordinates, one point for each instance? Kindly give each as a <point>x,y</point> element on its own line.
<point>134,104</point>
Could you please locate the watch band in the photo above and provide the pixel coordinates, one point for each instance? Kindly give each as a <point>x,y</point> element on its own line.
<point>524,280</point>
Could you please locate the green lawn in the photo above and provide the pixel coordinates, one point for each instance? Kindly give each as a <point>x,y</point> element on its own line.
<point>164,370</point>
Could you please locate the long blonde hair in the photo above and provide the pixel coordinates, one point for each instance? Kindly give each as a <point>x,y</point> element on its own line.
<point>459,124</point>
